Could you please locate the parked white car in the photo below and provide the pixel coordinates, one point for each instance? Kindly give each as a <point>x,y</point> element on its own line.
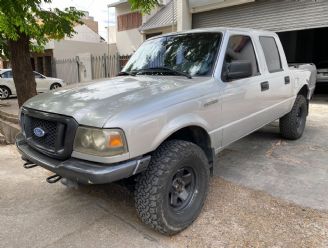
<point>43,83</point>
<point>322,76</point>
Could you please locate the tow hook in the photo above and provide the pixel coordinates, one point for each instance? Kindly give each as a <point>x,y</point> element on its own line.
<point>54,178</point>
<point>29,165</point>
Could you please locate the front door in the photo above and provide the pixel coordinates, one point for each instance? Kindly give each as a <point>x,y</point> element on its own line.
<point>41,82</point>
<point>243,99</point>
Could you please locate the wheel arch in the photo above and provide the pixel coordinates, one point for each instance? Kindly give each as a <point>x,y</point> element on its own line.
<point>56,82</point>
<point>195,134</point>
<point>6,86</point>
<point>305,91</point>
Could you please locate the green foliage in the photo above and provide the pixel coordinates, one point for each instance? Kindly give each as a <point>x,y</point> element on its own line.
<point>40,25</point>
<point>145,6</point>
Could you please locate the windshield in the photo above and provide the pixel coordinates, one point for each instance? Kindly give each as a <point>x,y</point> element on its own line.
<point>193,54</point>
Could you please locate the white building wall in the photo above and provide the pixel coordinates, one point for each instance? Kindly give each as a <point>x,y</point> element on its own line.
<point>127,41</point>
<point>112,30</point>
<point>86,34</point>
<point>184,17</point>
<point>67,49</point>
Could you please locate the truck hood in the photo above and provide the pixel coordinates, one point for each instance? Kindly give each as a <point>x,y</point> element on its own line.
<point>94,104</point>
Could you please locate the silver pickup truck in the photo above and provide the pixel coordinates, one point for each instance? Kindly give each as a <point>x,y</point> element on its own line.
<point>180,99</point>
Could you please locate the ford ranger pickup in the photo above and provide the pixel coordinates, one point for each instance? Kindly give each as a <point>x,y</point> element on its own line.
<point>180,99</point>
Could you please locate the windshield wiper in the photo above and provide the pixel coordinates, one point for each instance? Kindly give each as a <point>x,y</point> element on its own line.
<point>124,73</point>
<point>136,72</point>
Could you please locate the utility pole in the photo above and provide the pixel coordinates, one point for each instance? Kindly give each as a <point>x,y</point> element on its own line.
<point>173,2</point>
<point>107,64</point>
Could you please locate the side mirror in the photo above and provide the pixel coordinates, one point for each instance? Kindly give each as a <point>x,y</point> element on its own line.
<point>239,69</point>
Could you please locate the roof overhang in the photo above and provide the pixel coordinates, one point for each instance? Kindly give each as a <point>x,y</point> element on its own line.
<point>165,17</point>
<point>117,3</point>
<point>206,5</point>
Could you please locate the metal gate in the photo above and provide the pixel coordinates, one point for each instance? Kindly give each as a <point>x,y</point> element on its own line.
<point>71,70</point>
<point>278,16</point>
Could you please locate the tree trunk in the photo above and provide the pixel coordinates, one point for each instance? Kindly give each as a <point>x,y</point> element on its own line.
<point>20,58</point>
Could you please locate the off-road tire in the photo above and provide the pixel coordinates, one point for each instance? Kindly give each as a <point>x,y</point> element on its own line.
<point>292,125</point>
<point>152,193</point>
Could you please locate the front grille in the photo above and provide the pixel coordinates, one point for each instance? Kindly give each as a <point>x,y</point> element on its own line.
<point>58,132</point>
<point>50,129</point>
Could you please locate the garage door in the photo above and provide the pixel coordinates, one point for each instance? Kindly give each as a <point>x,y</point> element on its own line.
<point>270,15</point>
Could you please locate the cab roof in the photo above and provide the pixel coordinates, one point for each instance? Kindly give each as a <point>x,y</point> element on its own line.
<point>219,30</point>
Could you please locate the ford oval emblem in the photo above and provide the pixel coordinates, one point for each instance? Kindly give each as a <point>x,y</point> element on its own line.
<point>39,132</point>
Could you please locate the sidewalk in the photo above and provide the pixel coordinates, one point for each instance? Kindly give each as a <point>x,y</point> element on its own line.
<point>9,106</point>
<point>9,127</point>
<point>37,214</point>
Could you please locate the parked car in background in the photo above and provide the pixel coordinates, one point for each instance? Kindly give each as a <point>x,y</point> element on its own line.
<point>43,83</point>
<point>322,76</point>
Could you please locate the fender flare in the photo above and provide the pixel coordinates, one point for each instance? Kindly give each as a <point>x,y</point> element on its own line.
<point>177,124</point>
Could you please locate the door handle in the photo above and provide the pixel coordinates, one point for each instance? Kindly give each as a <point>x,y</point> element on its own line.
<point>265,86</point>
<point>287,80</point>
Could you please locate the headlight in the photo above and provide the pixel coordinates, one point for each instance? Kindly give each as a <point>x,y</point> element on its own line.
<point>100,142</point>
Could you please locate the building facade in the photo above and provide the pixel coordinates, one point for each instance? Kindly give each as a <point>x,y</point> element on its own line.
<point>301,25</point>
<point>132,28</point>
<point>85,41</point>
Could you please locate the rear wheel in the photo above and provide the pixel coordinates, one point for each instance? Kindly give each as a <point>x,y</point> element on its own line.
<point>170,194</point>
<point>55,86</point>
<point>4,92</point>
<point>292,125</point>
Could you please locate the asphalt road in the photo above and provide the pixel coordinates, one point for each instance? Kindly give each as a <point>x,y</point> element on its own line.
<point>265,192</point>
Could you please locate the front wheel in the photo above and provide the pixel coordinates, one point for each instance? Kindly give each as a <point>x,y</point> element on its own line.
<point>55,86</point>
<point>292,125</point>
<point>170,194</point>
<point>4,92</point>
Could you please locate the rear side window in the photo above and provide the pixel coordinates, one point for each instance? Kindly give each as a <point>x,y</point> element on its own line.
<point>7,74</point>
<point>271,53</point>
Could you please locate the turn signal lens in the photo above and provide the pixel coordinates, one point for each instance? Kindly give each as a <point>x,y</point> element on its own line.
<point>115,141</point>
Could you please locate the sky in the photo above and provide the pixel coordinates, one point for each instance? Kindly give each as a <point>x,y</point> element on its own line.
<point>96,8</point>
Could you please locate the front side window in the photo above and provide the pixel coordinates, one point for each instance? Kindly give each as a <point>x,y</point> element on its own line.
<point>271,53</point>
<point>37,75</point>
<point>240,48</point>
<point>193,54</point>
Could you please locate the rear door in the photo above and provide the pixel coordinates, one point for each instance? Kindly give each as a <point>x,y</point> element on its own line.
<point>277,74</point>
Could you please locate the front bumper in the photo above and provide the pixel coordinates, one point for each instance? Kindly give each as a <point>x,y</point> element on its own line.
<point>82,171</point>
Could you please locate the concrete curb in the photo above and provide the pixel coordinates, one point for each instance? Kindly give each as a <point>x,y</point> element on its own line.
<point>9,130</point>
<point>9,126</point>
<point>2,140</point>
<point>9,117</point>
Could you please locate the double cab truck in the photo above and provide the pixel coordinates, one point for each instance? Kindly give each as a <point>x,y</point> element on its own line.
<point>180,99</point>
